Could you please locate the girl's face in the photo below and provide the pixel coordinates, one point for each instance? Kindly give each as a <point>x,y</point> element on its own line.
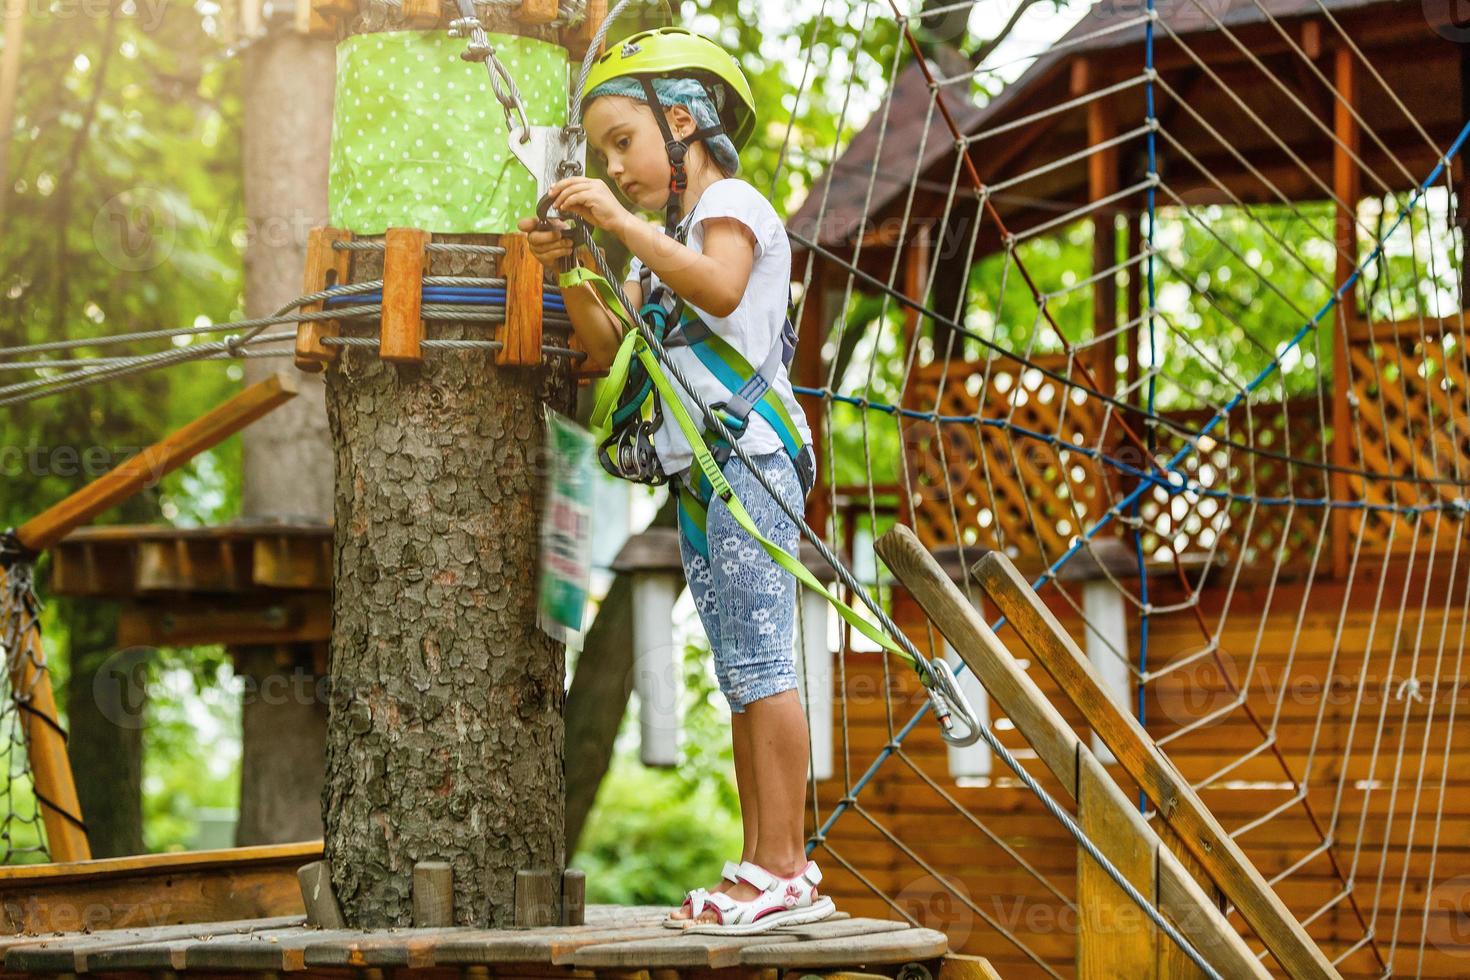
<point>623,135</point>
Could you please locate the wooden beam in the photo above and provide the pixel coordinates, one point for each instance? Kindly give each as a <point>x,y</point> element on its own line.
<point>154,889</point>
<point>1102,180</point>
<point>231,620</point>
<point>325,266</point>
<point>520,333</point>
<point>1069,760</point>
<point>405,261</point>
<point>807,372</point>
<point>1216,851</point>
<point>532,12</point>
<point>325,15</point>
<point>578,38</point>
<point>422,13</point>
<point>56,789</point>
<point>152,464</point>
<point>1346,182</point>
<point>1114,937</point>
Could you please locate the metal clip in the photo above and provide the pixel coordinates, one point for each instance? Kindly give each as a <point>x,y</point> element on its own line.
<point>949,701</point>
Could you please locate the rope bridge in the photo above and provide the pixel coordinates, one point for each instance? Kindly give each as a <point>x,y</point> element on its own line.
<point>1249,524</point>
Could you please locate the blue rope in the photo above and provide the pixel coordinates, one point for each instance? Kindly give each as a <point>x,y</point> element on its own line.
<point>464,295</point>
<point>1153,359</point>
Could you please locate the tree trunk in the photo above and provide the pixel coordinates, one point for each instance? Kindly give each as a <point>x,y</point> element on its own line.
<point>445,738</point>
<point>106,695</point>
<point>288,90</point>
<point>598,698</point>
<point>283,730</point>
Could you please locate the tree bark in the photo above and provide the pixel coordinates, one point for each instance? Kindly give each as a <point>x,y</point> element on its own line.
<point>445,738</point>
<point>289,82</point>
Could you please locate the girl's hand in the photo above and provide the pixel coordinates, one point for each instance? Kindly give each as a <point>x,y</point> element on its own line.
<point>589,199</point>
<point>548,247</point>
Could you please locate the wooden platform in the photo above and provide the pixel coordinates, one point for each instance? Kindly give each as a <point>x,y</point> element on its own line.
<point>615,939</point>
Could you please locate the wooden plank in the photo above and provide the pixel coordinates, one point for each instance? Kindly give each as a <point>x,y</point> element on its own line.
<point>292,561</point>
<point>401,333</point>
<point>323,18</point>
<point>152,464</point>
<point>533,12</point>
<point>895,946</point>
<point>1146,764</point>
<point>578,38</point>
<point>404,948</point>
<point>433,894</point>
<point>422,13</point>
<point>536,901</point>
<point>573,897</point>
<point>791,955</point>
<point>240,621</point>
<point>1114,937</point>
<point>317,894</point>
<point>520,334</point>
<point>274,949</point>
<point>1346,182</point>
<point>74,952</point>
<point>112,893</point>
<point>674,951</point>
<point>152,952</point>
<point>325,266</point>
<point>1018,696</point>
<point>959,966</point>
<point>554,945</point>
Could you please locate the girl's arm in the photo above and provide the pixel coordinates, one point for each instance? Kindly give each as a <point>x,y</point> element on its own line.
<point>599,331</point>
<point>713,280</point>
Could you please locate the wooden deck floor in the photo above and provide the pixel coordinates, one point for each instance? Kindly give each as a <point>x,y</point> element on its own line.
<point>615,939</point>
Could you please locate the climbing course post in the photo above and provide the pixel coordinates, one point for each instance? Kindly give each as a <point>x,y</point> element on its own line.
<point>445,732</point>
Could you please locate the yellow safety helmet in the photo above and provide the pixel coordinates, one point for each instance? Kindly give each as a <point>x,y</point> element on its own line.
<point>677,52</point>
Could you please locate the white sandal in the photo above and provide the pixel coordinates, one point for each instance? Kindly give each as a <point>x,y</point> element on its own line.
<point>782,902</point>
<point>697,898</point>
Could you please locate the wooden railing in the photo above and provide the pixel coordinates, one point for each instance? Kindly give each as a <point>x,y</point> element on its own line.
<point>1012,482</point>
<point>1171,868</point>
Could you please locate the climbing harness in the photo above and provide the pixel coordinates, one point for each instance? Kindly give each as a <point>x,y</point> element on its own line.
<point>937,677</point>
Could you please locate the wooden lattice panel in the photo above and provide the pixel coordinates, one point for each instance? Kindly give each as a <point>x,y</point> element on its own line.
<point>991,483</point>
<point>1411,422</point>
<point>1194,523</point>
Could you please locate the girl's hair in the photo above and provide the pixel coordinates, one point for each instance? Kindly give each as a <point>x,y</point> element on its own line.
<point>689,93</point>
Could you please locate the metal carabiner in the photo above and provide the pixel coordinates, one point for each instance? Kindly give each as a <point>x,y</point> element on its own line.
<point>948,700</point>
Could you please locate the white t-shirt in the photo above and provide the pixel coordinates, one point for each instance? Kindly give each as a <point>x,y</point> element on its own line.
<point>752,328</point>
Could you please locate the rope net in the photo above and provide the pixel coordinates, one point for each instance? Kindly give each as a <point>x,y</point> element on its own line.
<point>1136,338</point>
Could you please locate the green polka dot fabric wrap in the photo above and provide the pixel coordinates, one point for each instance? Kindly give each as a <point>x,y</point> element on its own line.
<point>419,141</point>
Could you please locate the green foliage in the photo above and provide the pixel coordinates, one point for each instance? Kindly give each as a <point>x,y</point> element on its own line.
<point>190,697</point>
<point>654,834</point>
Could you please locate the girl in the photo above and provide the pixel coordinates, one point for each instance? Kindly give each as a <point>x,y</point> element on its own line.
<point>665,113</point>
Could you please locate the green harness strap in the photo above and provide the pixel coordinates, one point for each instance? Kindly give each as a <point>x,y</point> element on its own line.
<point>634,345</point>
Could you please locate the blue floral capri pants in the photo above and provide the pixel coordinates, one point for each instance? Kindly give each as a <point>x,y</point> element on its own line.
<point>746,601</point>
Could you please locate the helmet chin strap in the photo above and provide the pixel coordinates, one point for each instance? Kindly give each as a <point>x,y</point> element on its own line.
<point>678,150</point>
